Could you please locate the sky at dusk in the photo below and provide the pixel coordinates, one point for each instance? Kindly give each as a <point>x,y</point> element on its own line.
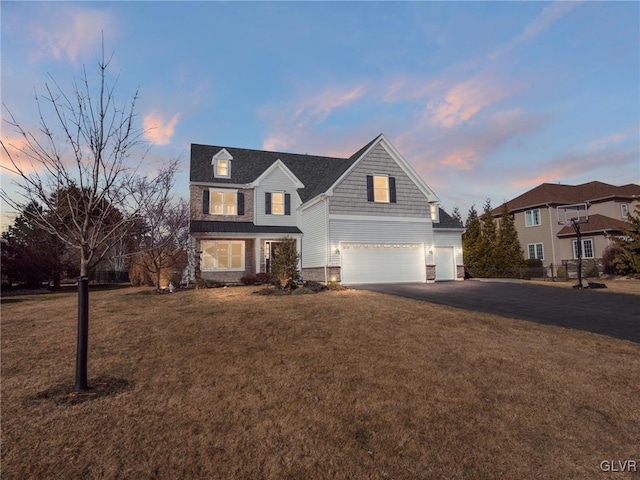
<point>482,99</point>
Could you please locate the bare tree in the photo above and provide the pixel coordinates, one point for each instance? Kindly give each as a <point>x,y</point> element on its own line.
<point>163,244</point>
<point>79,166</point>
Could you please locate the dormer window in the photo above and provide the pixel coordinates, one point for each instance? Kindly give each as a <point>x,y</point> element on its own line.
<point>222,168</point>
<point>222,164</point>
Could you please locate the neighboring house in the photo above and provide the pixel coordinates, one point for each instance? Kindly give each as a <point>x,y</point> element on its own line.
<point>369,218</point>
<point>537,214</point>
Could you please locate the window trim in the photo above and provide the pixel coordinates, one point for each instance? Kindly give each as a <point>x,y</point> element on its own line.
<point>223,191</point>
<point>535,251</point>
<point>584,241</point>
<point>624,211</point>
<point>223,155</point>
<point>386,189</point>
<point>273,203</point>
<point>230,255</point>
<point>529,219</point>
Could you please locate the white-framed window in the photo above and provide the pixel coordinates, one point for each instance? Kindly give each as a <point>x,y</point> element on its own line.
<point>532,217</point>
<point>624,210</point>
<point>435,213</point>
<point>587,248</point>
<point>222,168</point>
<point>381,188</point>
<point>536,250</point>
<point>277,203</point>
<point>222,255</point>
<point>223,202</point>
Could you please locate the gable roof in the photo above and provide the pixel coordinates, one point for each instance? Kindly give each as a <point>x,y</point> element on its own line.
<point>597,224</point>
<point>558,194</point>
<point>315,172</point>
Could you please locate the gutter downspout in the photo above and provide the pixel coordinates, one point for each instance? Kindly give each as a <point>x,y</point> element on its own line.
<point>326,229</point>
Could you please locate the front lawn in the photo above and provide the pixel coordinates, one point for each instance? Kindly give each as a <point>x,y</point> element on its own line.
<point>222,383</point>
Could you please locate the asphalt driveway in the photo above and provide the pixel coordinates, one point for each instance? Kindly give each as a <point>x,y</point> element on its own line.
<point>613,314</point>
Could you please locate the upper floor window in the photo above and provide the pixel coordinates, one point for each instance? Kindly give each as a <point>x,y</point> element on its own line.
<point>532,217</point>
<point>222,164</point>
<point>624,209</point>
<point>435,213</point>
<point>277,203</point>
<point>222,168</point>
<point>381,189</point>
<point>222,202</point>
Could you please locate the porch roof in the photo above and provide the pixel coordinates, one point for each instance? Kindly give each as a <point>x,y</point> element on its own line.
<point>205,226</point>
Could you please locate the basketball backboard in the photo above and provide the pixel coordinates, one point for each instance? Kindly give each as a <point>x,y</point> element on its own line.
<point>572,214</point>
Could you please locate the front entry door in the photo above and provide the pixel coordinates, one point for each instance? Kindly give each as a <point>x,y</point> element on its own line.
<point>270,254</point>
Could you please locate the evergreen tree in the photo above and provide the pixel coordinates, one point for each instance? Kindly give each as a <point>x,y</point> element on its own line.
<point>456,215</point>
<point>509,254</point>
<point>284,266</point>
<point>471,239</point>
<point>628,260</point>
<point>488,246</point>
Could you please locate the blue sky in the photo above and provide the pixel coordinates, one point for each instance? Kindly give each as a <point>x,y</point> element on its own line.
<point>482,99</point>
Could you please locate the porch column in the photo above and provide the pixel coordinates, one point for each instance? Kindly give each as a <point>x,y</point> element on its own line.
<point>257,247</point>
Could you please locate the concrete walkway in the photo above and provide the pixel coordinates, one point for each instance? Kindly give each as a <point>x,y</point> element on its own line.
<point>612,314</point>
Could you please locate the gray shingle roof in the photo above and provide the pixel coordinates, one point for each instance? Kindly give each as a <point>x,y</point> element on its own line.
<point>447,221</point>
<point>317,173</point>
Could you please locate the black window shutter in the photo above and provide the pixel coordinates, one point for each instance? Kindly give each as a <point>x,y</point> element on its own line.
<point>240,203</point>
<point>392,190</point>
<point>287,204</point>
<point>267,203</point>
<point>369,188</point>
<point>205,200</point>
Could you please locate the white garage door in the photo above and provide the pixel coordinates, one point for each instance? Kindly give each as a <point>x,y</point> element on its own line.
<point>382,263</point>
<point>445,263</point>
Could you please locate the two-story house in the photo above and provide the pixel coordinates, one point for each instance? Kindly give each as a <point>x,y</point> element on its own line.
<point>539,219</point>
<point>369,218</point>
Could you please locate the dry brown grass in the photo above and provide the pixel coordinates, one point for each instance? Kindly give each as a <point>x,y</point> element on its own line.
<point>226,384</point>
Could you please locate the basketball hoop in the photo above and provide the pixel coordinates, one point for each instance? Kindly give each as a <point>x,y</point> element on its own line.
<point>573,216</point>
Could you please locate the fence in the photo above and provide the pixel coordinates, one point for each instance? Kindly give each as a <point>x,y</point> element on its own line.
<point>107,277</point>
<point>564,272</point>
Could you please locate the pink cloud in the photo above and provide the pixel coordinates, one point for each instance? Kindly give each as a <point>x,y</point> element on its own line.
<point>464,100</point>
<point>67,34</point>
<point>609,140</point>
<point>291,126</point>
<point>15,159</point>
<point>158,129</point>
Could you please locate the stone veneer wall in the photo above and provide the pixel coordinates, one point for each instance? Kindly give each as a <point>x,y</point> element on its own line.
<point>316,274</point>
<point>460,272</point>
<point>431,273</point>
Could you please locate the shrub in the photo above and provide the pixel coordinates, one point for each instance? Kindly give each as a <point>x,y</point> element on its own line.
<point>249,279</point>
<point>608,258</point>
<point>535,268</point>
<point>315,286</point>
<point>263,278</point>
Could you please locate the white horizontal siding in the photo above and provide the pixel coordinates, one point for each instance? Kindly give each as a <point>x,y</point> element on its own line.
<point>314,239</point>
<point>384,232</point>
<point>276,181</point>
<point>449,239</point>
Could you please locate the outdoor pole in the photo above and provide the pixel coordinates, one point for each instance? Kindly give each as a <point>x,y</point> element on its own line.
<point>576,227</point>
<point>83,335</point>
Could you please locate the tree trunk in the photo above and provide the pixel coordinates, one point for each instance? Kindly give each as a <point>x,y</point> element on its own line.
<point>82,344</point>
